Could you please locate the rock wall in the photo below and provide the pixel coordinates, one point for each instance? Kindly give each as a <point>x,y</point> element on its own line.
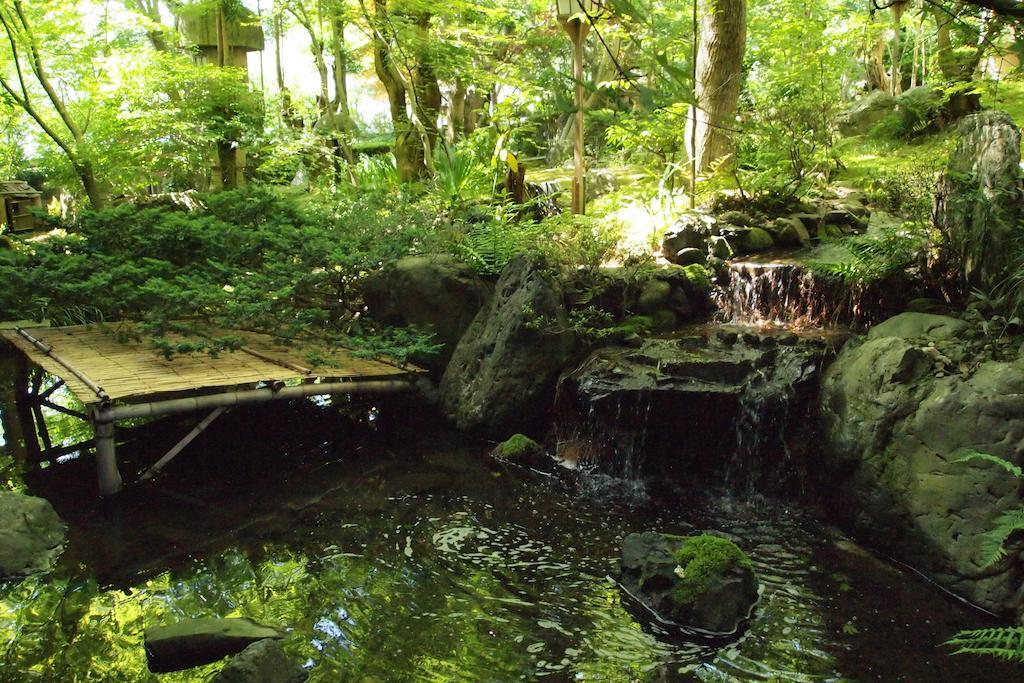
<point>978,198</point>
<point>900,406</point>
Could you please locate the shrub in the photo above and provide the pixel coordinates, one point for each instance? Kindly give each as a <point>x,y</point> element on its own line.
<point>252,259</point>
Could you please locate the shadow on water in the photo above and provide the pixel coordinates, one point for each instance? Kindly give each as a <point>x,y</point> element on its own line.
<point>396,551</point>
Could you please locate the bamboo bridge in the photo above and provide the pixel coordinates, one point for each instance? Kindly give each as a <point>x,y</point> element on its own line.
<point>118,380</point>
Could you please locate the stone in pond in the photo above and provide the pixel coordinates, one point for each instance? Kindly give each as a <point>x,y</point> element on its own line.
<point>703,582</point>
<point>519,449</point>
<point>194,642</point>
<point>262,662</point>
<point>31,534</point>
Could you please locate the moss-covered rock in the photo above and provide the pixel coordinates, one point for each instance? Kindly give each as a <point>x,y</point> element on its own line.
<point>701,562</point>
<point>519,449</point>
<point>754,240</point>
<point>703,581</point>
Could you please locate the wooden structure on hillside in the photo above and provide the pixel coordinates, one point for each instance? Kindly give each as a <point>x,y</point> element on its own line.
<point>117,380</point>
<point>17,198</point>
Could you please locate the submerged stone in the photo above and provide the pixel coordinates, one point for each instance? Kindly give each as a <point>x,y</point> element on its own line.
<point>262,662</point>
<point>704,582</point>
<point>31,534</point>
<point>194,642</point>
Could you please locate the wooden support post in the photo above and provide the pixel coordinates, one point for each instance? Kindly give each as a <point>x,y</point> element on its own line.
<point>180,446</point>
<point>24,408</point>
<point>106,460</point>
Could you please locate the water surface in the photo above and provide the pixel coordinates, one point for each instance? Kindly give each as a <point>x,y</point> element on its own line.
<point>397,551</point>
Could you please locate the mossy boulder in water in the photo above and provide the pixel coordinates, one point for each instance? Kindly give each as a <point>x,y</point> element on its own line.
<point>519,449</point>
<point>704,582</point>
<point>31,534</point>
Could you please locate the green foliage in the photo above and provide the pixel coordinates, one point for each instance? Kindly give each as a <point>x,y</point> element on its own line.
<point>379,173</point>
<point>799,55</point>
<point>701,559</point>
<point>874,257</point>
<point>458,176</point>
<point>254,259</point>
<point>488,245</point>
<point>563,240</point>
<point>1005,643</point>
<point>904,192</point>
<point>993,543</point>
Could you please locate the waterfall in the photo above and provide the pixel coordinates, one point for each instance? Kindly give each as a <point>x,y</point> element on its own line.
<point>780,294</point>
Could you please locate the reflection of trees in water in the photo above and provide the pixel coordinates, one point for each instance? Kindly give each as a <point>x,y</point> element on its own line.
<point>366,598</point>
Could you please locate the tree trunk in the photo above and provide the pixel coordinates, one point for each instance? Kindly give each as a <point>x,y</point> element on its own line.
<point>878,76</point>
<point>91,185</point>
<point>342,115</point>
<point>427,100</point>
<point>408,148</point>
<point>944,56</point>
<point>723,32</point>
<point>457,111</point>
<point>896,48</point>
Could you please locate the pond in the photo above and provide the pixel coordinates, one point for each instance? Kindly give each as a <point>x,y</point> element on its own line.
<point>392,549</point>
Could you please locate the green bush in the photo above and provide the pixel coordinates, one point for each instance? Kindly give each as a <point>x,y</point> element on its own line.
<point>252,259</point>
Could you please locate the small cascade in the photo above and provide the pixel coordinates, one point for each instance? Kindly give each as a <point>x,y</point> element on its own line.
<point>769,407</point>
<point>717,405</point>
<point>781,293</point>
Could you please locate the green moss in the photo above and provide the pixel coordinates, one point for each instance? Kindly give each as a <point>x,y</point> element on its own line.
<point>701,559</point>
<point>699,276</point>
<point>635,324</point>
<point>663,320</point>
<point>516,446</point>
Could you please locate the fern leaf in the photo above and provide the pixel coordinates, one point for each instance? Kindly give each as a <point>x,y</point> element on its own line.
<point>993,543</point>
<point>987,457</point>
<point>1006,643</point>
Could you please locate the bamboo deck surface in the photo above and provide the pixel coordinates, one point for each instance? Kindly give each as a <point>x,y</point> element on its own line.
<point>133,371</point>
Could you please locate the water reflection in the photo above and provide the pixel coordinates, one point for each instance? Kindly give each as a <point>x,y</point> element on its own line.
<point>403,554</point>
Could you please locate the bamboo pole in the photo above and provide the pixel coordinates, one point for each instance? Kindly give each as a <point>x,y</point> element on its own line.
<point>48,350</point>
<point>234,398</point>
<point>180,446</point>
<point>107,474</point>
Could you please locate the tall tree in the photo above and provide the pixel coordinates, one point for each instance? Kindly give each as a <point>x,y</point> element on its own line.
<point>723,33</point>
<point>409,150</point>
<point>66,132</point>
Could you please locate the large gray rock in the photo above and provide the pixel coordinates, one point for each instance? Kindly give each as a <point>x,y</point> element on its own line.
<point>194,642</point>
<point>31,534</point>
<point>691,231</point>
<point>895,428</point>
<point>501,377</point>
<point>435,292</point>
<point>262,662</point>
<point>926,325</point>
<point>866,113</point>
<point>978,199</point>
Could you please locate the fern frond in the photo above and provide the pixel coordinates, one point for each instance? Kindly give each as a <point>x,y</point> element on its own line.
<point>988,457</point>
<point>993,543</point>
<point>1006,643</point>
